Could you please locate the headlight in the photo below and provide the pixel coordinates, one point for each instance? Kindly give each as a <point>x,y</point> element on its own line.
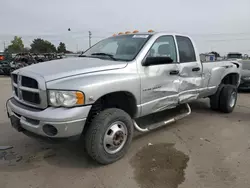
<point>65,98</point>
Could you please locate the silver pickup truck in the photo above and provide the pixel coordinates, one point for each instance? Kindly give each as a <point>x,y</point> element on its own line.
<point>101,94</point>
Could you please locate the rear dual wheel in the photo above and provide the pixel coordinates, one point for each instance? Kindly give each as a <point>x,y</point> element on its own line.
<point>224,99</point>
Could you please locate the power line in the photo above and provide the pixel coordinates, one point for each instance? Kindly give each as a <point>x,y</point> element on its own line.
<point>218,34</point>
<point>81,33</point>
<point>87,35</point>
<point>225,40</point>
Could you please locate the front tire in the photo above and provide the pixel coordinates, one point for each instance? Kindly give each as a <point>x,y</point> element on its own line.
<point>109,136</point>
<point>228,98</point>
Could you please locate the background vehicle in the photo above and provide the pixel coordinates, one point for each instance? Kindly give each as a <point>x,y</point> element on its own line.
<point>40,57</point>
<point>234,55</point>
<point>19,61</point>
<point>103,94</point>
<point>53,56</point>
<point>5,58</point>
<point>245,75</point>
<point>1,61</point>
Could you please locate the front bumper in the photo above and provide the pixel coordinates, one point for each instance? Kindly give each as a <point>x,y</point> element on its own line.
<point>67,121</point>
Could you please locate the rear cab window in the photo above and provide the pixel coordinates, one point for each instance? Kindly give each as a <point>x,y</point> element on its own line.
<point>186,49</point>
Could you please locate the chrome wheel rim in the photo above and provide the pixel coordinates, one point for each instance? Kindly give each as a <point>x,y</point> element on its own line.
<point>115,137</point>
<point>232,99</point>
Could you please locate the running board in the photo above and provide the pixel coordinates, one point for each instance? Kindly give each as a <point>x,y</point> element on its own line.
<point>163,123</point>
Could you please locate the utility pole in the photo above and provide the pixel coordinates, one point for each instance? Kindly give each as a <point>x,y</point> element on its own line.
<point>4,45</point>
<point>90,35</point>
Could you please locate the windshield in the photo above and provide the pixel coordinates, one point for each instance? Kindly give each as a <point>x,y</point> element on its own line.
<point>123,47</point>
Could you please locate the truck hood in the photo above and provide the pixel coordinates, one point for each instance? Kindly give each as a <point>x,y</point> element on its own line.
<point>56,69</point>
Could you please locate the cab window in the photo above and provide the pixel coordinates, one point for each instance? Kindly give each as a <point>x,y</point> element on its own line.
<point>164,46</point>
<point>186,49</point>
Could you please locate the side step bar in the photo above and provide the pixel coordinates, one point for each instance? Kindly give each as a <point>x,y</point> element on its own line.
<point>163,123</point>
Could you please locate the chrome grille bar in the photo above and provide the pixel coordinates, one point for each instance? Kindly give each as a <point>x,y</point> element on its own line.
<point>32,93</point>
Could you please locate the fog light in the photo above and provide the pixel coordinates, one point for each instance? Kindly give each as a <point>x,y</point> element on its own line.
<point>50,130</point>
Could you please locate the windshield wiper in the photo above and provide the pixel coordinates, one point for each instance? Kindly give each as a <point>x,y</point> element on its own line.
<point>82,55</point>
<point>105,54</point>
<point>86,56</point>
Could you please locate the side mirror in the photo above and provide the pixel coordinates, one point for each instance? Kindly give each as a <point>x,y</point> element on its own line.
<point>157,61</point>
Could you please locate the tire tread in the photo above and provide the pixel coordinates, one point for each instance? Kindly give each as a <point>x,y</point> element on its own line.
<point>96,127</point>
<point>225,97</point>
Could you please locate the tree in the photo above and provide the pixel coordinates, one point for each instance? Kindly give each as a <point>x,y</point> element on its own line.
<point>42,46</point>
<point>16,45</point>
<point>61,48</point>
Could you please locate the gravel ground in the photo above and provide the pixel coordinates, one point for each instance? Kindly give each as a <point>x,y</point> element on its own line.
<point>206,149</point>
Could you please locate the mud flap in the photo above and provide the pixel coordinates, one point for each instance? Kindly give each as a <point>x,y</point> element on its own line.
<point>215,99</point>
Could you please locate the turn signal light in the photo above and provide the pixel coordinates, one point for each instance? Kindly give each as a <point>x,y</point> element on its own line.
<point>79,97</point>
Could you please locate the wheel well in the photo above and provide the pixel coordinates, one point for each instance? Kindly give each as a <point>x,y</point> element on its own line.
<point>122,100</point>
<point>231,79</point>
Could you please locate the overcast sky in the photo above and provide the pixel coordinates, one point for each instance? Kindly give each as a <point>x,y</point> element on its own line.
<point>220,25</point>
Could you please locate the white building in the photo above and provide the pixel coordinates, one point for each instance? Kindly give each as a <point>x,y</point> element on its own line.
<point>207,57</point>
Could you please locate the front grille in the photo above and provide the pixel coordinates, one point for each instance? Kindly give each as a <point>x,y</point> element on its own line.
<point>29,82</point>
<point>29,91</point>
<point>18,115</point>
<point>31,97</point>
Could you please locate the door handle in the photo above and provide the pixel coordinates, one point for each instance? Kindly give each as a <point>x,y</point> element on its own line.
<point>174,72</point>
<point>196,69</point>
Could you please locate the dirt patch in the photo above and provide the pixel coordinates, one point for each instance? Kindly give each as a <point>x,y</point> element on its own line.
<point>13,161</point>
<point>159,166</point>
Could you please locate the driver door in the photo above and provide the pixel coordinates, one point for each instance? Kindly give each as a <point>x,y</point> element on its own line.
<point>160,83</point>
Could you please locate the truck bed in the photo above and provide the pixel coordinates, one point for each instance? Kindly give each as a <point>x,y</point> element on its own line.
<point>209,66</point>
<point>213,73</point>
